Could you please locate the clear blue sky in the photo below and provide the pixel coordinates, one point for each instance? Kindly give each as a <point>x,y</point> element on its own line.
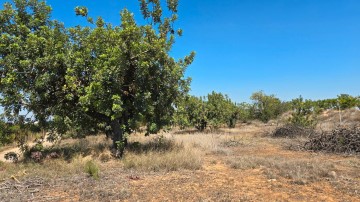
<point>284,47</point>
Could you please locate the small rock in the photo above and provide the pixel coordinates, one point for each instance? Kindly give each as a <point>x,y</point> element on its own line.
<point>333,174</point>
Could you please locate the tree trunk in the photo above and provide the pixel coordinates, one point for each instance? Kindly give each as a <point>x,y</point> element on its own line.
<point>118,138</point>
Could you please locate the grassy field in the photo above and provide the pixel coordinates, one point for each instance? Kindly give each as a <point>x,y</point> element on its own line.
<point>240,164</point>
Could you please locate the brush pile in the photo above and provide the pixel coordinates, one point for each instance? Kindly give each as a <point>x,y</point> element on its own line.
<point>291,131</point>
<point>341,140</point>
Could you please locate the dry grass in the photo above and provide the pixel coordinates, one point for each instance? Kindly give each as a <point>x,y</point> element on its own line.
<point>61,181</point>
<point>299,171</point>
<point>330,119</point>
<point>164,161</point>
<point>162,154</point>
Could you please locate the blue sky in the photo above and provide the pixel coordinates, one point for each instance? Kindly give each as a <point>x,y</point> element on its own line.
<point>284,47</point>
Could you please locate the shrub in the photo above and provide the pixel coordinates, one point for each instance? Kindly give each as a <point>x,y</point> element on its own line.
<point>92,169</point>
<point>304,113</point>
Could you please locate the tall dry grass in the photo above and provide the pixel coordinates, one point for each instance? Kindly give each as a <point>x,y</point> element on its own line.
<point>161,153</point>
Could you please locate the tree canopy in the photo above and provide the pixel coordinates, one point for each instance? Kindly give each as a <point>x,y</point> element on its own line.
<point>266,107</point>
<point>91,78</point>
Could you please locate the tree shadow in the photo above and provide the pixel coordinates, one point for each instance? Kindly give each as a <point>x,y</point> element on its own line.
<point>67,151</point>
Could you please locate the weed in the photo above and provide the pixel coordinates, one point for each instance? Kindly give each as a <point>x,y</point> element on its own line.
<point>92,169</point>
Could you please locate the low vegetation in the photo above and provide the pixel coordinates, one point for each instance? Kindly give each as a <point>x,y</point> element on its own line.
<point>92,169</point>
<point>299,171</point>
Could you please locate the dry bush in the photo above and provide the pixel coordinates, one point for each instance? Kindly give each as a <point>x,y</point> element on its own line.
<point>299,171</point>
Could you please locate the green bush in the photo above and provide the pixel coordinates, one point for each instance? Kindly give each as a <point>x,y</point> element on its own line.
<point>92,169</point>
<point>7,134</point>
<point>266,107</point>
<point>304,113</point>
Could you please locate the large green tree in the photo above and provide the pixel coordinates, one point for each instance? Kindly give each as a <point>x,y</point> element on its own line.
<point>91,78</point>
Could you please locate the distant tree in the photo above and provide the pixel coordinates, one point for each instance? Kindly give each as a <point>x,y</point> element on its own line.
<point>221,110</point>
<point>214,111</point>
<point>304,113</point>
<point>95,78</point>
<point>346,101</point>
<point>197,112</point>
<point>181,115</point>
<point>266,107</point>
<point>244,111</point>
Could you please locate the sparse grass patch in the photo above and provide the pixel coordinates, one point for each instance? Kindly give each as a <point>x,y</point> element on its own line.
<point>230,143</point>
<point>47,169</point>
<point>299,171</point>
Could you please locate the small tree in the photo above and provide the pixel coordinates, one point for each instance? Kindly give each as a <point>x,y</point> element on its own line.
<point>304,113</point>
<point>346,101</point>
<point>197,112</point>
<point>221,110</point>
<point>266,107</point>
<point>244,111</point>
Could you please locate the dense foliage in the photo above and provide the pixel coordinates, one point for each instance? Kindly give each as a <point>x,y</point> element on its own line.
<point>95,78</point>
<point>7,134</point>
<point>214,111</point>
<point>266,107</point>
<point>303,113</point>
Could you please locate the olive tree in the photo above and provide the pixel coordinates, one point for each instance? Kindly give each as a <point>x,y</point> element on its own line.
<point>92,78</point>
